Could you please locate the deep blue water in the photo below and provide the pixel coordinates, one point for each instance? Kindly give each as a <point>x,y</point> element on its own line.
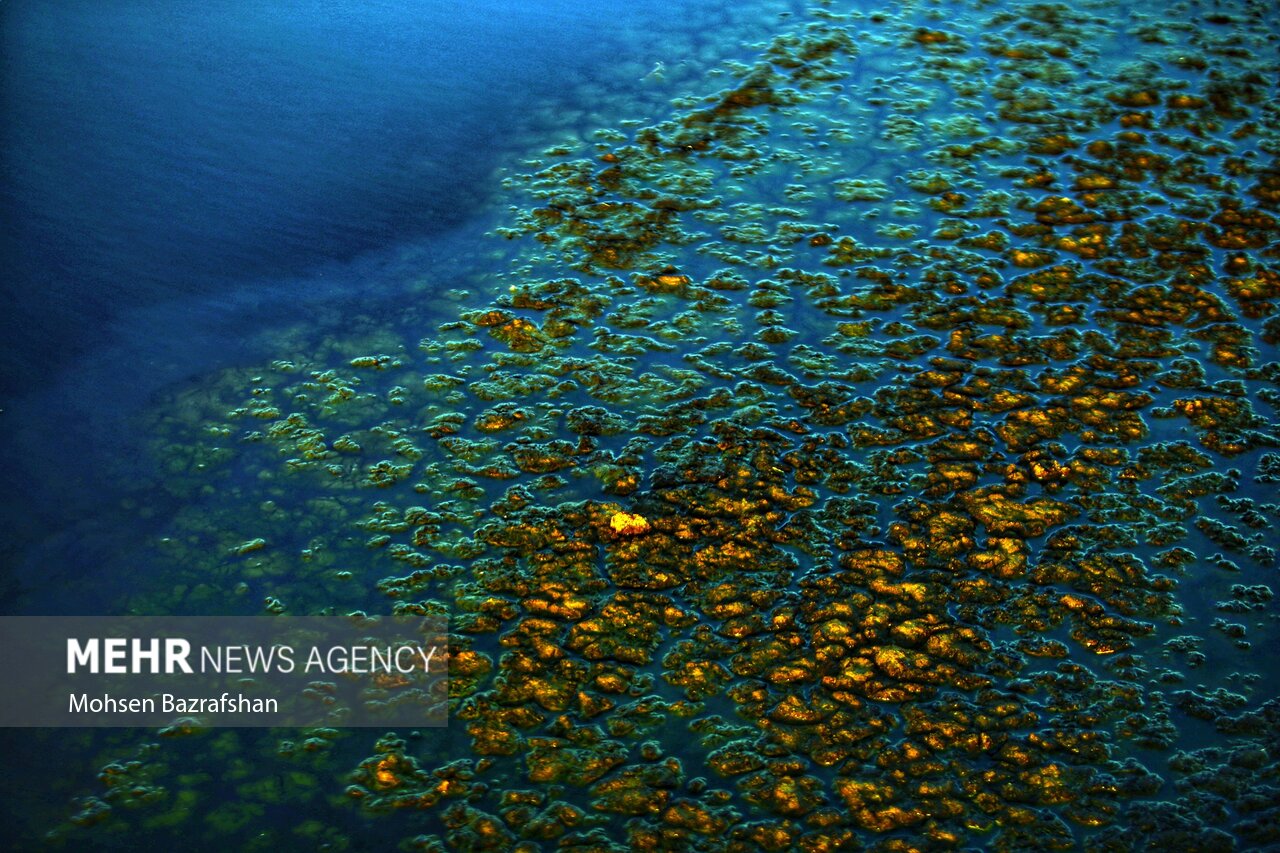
<point>154,149</point>
<point>179,177</point>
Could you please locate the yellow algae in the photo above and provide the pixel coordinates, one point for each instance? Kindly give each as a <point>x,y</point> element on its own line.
<point>884,505</point>
<point>628,524</point>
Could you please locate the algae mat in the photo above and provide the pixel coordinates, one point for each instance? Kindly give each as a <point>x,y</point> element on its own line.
<point>874,447</point>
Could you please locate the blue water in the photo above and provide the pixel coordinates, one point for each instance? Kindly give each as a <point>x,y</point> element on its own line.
<point>178,177</point>
<point>154,148</point>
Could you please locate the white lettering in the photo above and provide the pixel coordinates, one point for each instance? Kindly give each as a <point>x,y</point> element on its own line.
<point>116,650</point>
<point>152,654</point>
<point>400,667</point>
<point>176,651</point>
<point>82,655</point>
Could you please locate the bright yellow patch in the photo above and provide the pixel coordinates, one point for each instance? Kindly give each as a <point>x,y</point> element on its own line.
<point>628,524</point>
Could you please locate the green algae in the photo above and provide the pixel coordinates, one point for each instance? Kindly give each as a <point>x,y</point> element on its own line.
<point>733,436</point>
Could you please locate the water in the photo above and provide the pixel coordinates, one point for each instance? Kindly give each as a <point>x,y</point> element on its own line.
<point>181,184</point>
<point>893,441</point>
<point>178,180</point>
<point>154,151</point>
